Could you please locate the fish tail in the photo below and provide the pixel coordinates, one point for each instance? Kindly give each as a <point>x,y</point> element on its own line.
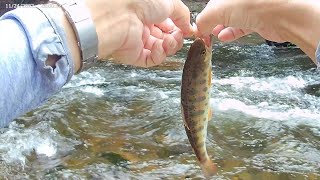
<point>209,168</point>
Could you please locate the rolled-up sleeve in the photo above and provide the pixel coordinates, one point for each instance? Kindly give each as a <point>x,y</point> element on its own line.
<point>27,37</point>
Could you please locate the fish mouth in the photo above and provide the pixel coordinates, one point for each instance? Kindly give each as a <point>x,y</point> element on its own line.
<point>200,43</point>
<point>204,42</point>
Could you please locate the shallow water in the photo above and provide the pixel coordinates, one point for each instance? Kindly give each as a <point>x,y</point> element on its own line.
<point>120,122</point>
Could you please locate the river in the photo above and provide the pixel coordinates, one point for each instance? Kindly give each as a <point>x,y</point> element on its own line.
<point>122,122</point>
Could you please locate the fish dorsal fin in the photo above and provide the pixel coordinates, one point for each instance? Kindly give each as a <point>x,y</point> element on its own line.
<point>184,118</point>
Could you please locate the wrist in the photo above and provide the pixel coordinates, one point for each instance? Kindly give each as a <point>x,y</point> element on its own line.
<point>71,40</point>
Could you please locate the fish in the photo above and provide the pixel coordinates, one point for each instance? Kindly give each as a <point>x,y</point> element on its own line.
<point>195,97</point>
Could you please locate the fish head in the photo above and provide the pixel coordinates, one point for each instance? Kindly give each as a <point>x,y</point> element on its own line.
<point>199,51</point>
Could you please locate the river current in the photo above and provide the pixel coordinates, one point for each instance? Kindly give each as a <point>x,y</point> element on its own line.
<point>123,122</point>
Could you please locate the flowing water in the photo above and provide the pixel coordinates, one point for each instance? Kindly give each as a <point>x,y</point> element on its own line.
<point>121,122</point>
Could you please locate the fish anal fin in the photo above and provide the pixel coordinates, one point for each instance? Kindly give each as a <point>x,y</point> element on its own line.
<point>184,118</point>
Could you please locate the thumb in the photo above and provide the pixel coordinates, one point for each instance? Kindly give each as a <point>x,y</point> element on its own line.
<point>222,12</point>
<point>180,15</point>
<point>210,17</point>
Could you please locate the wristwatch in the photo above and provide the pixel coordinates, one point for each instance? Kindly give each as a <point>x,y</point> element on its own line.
<point>79,17</point>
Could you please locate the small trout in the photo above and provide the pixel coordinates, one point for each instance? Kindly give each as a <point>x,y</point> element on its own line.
<point>195,96</point>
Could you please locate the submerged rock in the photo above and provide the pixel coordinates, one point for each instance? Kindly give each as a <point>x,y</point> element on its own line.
<point>277,44</point>
<point>313,89</point>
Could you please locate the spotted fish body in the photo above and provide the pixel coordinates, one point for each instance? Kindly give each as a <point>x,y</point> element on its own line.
<point>195,96</point>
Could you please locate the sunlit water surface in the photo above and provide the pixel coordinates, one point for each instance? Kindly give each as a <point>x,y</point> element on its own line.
<point>120,122</point>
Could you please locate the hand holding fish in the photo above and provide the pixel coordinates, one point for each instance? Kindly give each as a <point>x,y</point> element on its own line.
<point>140,33</point>
<point>295,21</point>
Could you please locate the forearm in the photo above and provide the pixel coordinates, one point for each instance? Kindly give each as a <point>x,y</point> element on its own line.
<point>35,62</point>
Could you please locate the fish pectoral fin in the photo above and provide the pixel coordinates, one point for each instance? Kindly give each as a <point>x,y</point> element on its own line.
<point>184,118</point>
<point>209,114</point>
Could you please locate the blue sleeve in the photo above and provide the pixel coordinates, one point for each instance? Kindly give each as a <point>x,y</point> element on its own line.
<point>27,37</point>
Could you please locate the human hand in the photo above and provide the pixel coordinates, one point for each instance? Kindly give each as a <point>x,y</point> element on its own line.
<point>232,19</point>
<point>140,32</point>
<point>296,21</point>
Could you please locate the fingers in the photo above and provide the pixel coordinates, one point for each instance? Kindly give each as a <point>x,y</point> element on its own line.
<point>214,19</point>
<point>153,48</point>
<point>151,57</point>
<point>158,46</point>
<point>150,42</point>
<point>167,25</point>
<point>226,33</point>
<point>218,29</point>
<point>209,17</point>
<point>171,35</point>
<point>159,30</point>
<point>230,33</point>
<point>173,42</point>
<point>157,55</point>
<point>155,11</point>
<point>219,14</point>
